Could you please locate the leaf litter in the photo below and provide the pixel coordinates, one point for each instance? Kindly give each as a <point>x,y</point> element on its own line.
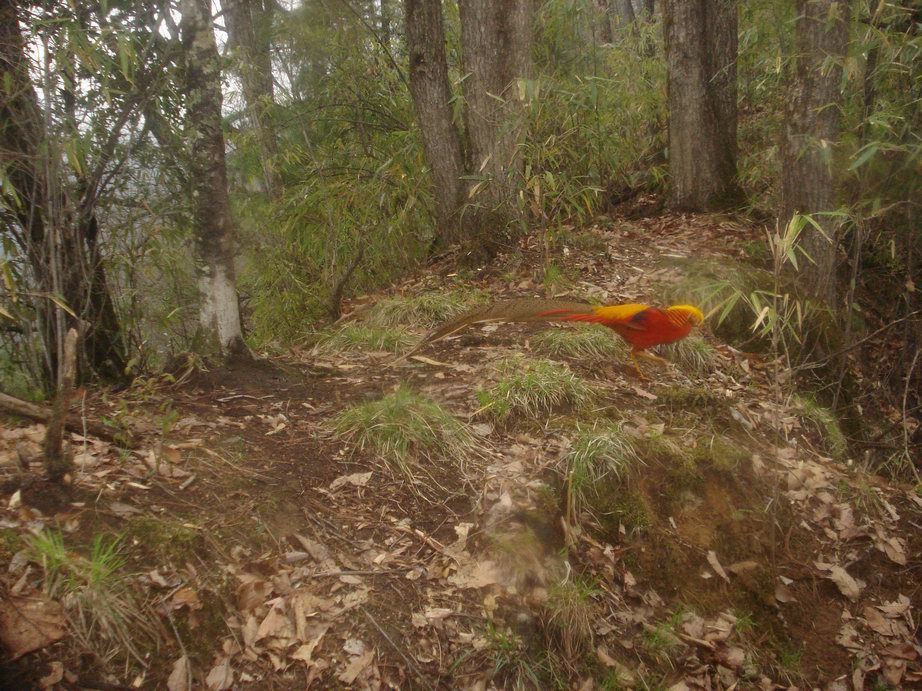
<point>360,585</point>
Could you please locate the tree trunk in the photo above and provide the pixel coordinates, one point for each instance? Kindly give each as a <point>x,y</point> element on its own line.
<point>425,36</point>
<point>213,226</point>
<point>701,50</point>
<point>625,11</point>
<point>811,128</point>
<point>249,26</point>
<point>496,40</point>
<point>386,19</point>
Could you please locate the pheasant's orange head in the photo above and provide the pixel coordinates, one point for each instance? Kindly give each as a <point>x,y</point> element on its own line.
<point>687,314</point>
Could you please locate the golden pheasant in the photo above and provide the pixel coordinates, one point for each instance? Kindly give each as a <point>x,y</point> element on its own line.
<point>643,326</point>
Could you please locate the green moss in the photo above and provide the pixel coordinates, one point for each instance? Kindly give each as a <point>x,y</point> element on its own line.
<point>164,540</point>
<point>10,543</point>
<point>827,424</point>
<point>720,453</point>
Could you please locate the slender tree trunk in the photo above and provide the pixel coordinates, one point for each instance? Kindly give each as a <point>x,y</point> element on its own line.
<point>496,40</point>
<point>701,50</point>
<point>810,130</point>
<point>249,24</point>
<point>425,35</point>
<point>625,12</point>
<point>213,226</point>
<point>386,19</point>
<point>59,240</point>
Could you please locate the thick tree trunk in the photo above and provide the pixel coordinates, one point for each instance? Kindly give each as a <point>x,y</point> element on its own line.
<point>425,35</point>
<point>496,40</point>
<point>701,50</point>
<point>249,25</point>
<point>810,130</point>
<point>213,226</point>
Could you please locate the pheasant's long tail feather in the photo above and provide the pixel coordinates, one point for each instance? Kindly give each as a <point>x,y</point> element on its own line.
<point>518,310</point>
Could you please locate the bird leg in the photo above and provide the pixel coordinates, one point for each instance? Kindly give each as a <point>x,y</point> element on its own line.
<point>637,354</point>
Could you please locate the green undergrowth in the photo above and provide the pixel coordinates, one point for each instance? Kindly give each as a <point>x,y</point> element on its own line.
<point>102,608</point>
<point>826,424</point>
<point>423,310</point>
<point>752,308</point>
<point>600,455</point>
<point>362,337</point>
<point>721,289</point>
<point>692,355</point>
<point>403,428</point>
<point>568,616</point>
<point>532,389</point>
<point>594,343</point>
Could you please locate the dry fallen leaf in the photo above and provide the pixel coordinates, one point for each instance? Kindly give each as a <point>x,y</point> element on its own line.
<point>221,675</point>
<point>55,675</point>
<point>356,480</point>
<point>30,622</point>
<point>180,676</point>
<point>848,586</point>
<point>715,564</point>
<point>356,667</point>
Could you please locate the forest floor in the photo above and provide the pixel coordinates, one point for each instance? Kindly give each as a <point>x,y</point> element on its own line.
<point>264,549</point>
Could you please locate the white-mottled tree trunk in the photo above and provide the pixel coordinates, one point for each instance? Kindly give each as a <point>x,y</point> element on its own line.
<point>213,226</point>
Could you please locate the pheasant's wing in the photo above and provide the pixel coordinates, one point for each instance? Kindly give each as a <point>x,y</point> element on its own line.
<point>518,310</point>
<point>630,316</point>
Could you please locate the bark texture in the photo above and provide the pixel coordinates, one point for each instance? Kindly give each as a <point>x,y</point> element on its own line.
<point>213,226</point>
<point>810,130</point>
<point>496,40</point>
<point>701,50</point>
<point>249,25</point>
<point>431,91</point>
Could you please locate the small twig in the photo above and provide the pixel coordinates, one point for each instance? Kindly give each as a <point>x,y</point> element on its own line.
<point>397,648</point>
<point>852,346</point>
<point>912,367</point>
<point>379,572</point>
<point>336,296</point>
<point>182,648</point>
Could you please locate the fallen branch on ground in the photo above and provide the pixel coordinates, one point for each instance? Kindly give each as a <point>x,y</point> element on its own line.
<point>40,413</point>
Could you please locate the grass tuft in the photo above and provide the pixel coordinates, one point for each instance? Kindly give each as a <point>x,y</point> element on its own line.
<point>423,310</point>
<point>568,616</point>
<point>102,609</point>
<point>692,354</point>
<point>358,337</point>
<point>594,343</point>
<point>533,388</point>
<point>602,454</point>
<point>827,424</point>
<point>402,428</point>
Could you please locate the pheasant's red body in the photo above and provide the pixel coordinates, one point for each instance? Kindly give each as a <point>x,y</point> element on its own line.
<point>640,325</point>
